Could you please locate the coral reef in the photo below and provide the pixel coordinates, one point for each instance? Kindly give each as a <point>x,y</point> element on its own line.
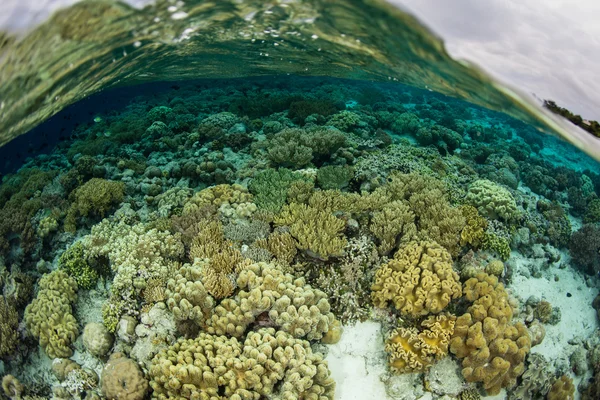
<point>95,197</point>
<point>419,280</point>
<point>267,362</point>
<point>562,389</point>
<point>492,347</point>
<point>8,327</point>
<point>49,317</point>
<point>492,200</point>
<point>96,339</point>
<point>318,233</point>
<point>123,379</point>
<point>231,222</point>
<point>415,350</point>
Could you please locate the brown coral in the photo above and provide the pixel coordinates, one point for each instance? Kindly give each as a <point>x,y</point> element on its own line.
<point>392,224</point>
<point>8,327</point>
<point>419,280</point>
<point>317,232</point>
<point>492,348</point>
<point>562,389</point>
<point>413,350</point>
<point>122,379</point>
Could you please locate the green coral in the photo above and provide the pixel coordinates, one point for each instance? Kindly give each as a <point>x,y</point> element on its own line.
<point>270,187</point>
<point>492,200</point>
<point>474,231</point>
<point>496,244</point>
<point>592,214</point>
<point>335,176</point>
<point>297,148</point>
<point>73,262</point>
<point>49,317</point>
<point>317,232</point>
<point>94,197</point>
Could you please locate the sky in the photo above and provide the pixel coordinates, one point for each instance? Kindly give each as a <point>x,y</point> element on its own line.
<point>548,48</point>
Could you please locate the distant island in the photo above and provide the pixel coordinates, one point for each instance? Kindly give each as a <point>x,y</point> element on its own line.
<point>592,127</point>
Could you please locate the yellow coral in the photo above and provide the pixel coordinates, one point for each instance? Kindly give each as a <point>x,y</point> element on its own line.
<point>316,232</point>
<point>278,298</point>
<point>187,298</point>
<point>474,230</point>
<point>282,246</point>
<point>419,280</point>
<point>216,367</point>
<point>412,350</point>
<point>492,348</point>
<point>49,317</point>
<point>218,195</point>
<point>208,241</point>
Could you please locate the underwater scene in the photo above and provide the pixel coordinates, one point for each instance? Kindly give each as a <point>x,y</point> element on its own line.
<point>283,237</point>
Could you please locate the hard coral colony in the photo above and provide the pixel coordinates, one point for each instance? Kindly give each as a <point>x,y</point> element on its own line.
<point>220,246</point>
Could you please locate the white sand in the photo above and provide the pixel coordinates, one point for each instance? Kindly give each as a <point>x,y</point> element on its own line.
<point>357,362</point>
<point>578,318</point>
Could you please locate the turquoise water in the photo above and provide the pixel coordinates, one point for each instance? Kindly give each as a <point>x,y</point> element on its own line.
<point>296,237</point>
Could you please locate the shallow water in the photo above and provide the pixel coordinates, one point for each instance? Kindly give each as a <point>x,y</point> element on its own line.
<point>285,236</point>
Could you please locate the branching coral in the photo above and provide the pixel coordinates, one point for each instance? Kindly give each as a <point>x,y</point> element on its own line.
<point>95,197</point>
<point>73,262</point>
<point>394,223</point>
<point>318,233</point>
<point>436,220</point>
<point>296,148</point>
<point>219,260</point>
<point>270,187</point>
<point>493,349</point>
<point>281,245</point>
<point>50,318</point>
<point>266,363</point>
<point>348,282</point>
<point>414,350</point>
<point>492,200</point>
<point>584,247</point>
<point>419,280</point>
<point>334,176</point>
<point>232,195</point>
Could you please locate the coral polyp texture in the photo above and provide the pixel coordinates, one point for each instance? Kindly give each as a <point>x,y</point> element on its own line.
<point>317,232</point>
<point>268,296</point>
<point>265,363</point>
<point>492,200</point>
<point>415,350</point>
<point>49,317</point>
<point>419,280</point>
<point>492,347</point>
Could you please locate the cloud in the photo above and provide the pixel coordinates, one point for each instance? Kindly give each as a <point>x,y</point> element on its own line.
<point>546,47</point>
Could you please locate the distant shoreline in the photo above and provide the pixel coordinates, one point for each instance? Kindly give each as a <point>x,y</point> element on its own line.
<point>592,127</point>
